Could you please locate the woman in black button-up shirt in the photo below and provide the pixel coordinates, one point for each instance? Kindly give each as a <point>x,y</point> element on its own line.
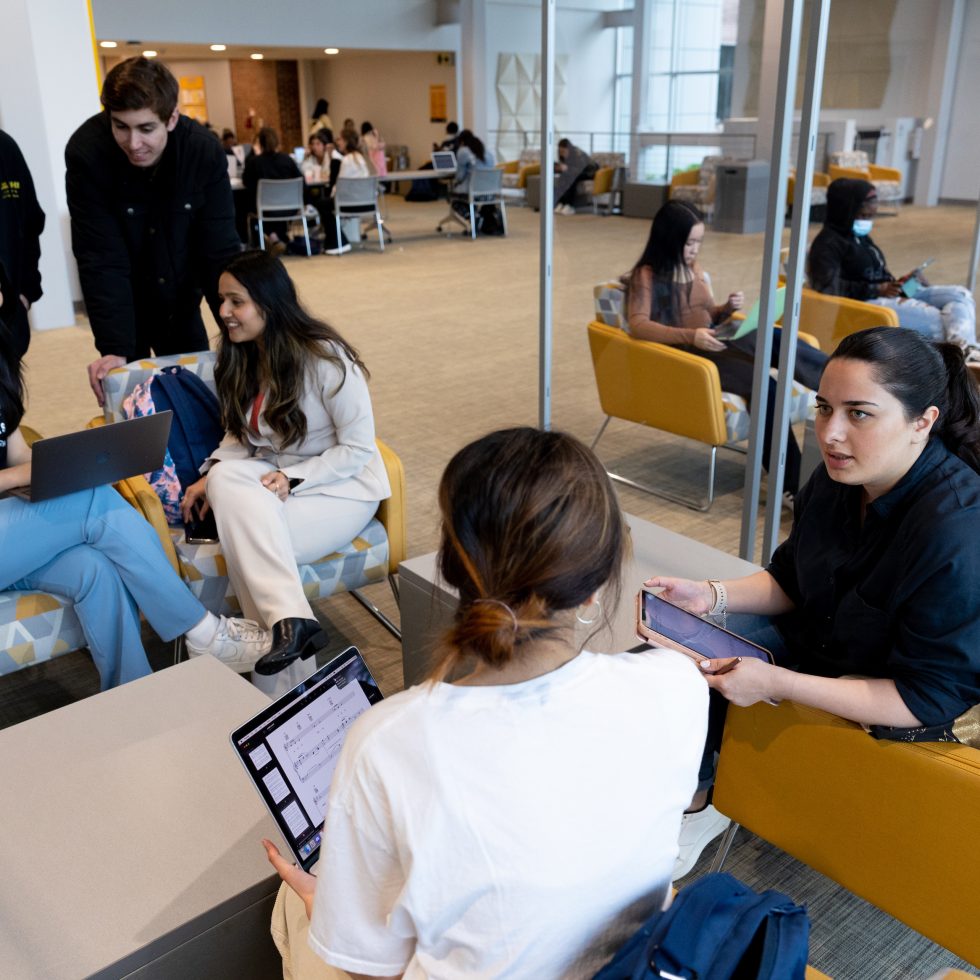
<point>880,576</point>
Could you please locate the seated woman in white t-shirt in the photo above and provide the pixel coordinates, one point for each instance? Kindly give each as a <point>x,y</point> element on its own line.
<point>353,163</point>
<point>518,814</point>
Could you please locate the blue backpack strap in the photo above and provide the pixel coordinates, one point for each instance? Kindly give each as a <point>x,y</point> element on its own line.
<point>196,429</point>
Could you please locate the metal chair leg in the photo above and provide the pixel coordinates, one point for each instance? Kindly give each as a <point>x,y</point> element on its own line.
<point>503,217</point>
<point>261,235</point>
<point>598,435</point>
<point>178,650</point>
<point>377,614</point>
<point>336,219</point>
<point>381,230</point>
<point>472,221</point>
<point>306,235</point>
<point>721,855</point>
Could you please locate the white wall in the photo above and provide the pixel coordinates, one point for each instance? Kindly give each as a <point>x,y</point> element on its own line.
<point>391,90</point>
<point>48,87</point>
<point>398,24</point>
<point>961,175</point>
<point>514,27</point>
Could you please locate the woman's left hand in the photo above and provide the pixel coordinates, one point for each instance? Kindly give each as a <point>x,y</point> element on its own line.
<point>277,482</point>
<point>301,882</point>
<point>747,682</point>
<point>736,301</point>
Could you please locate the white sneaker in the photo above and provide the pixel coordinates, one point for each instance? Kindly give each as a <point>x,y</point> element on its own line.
<point>238,643</point>
<point>697,831</point>
<point>340,250</point>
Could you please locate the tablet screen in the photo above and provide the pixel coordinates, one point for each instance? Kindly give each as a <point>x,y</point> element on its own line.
<point>694,632</point>
<point>291,748</point>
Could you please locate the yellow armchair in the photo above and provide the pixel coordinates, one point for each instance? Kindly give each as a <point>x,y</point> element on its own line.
<point>509,167</point>
<point>686,178</point>
<point>893,822</point>
<point>832,318</point>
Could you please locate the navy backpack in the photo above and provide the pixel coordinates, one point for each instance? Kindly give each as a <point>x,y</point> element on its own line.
<point>717,929</point>
<point>195,431</point>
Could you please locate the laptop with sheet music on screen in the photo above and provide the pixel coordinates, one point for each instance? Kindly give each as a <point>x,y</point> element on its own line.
<point>290,749</point>
<point>92,457</point>
<point>443,160</point>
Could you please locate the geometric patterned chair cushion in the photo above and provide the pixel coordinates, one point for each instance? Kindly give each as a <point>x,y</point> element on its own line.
<point>363,561</point>
<point>610,302</point>
<point>701,194</point>
<point>887,190</point>
<point>36,626</point>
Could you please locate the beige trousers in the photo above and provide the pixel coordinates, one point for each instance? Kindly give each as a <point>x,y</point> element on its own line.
<point>263,538</point>
<point>290,930</point>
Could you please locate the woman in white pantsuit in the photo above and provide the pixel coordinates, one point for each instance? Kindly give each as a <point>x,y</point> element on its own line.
<point>298,473</point>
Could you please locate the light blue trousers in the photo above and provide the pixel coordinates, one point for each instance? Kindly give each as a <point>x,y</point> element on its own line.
<point>96,550</point>
<point>938,312</point>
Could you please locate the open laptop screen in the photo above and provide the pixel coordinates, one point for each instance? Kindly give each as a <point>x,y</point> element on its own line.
<point>443,160</point>
<point>290,749</point>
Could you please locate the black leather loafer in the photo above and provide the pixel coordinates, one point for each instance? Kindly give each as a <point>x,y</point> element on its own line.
<point>291,639</point>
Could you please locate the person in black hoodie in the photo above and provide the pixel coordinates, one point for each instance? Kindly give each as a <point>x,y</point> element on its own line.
<point>21,224</point>
<point>845,261</point>
<point>152,219</point>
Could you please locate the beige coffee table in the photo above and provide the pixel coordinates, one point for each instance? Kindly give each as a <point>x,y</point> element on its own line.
<point>427,605</point>
<point>130,843</point>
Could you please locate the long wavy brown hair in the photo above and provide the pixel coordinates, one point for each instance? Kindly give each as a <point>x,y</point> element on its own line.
<point>291,341</point>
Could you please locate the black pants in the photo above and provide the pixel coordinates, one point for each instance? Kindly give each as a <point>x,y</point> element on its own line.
<point>177,334</point>
<point>736,365</point>
<point>16,326</point>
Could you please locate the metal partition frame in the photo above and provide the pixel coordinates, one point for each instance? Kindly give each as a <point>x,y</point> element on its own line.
<point>809,122</point>
<point>789,51</point>
<point>547,211</point>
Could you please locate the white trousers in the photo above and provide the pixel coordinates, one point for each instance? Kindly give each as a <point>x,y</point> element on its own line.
<point>263,538</point>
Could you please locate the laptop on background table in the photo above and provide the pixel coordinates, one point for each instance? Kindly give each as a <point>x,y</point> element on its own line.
<point>90,458</point>
<point>443,160</point>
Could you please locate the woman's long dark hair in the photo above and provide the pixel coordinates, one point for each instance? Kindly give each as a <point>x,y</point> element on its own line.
<point>919,374</point>
<point>11,382</point>
<point>664,255</point>
<point>292,339</point>
<point>322,108</point>
<point>473,143</point>
<point>531,528</point>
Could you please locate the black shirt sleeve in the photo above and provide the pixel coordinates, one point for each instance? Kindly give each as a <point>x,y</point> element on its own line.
<point>825,269</point>
<point>104,264</point>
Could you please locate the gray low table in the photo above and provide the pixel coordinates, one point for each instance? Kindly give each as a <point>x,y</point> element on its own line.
<point>427,605</point>
<point>644,200</point>
<point>130,843</point>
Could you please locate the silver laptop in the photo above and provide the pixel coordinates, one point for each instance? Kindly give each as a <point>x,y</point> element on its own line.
<point>443,160</point>
<point>82,460</point>
<point>290,749</point>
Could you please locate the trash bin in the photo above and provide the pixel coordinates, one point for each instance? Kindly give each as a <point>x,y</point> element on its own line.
<point>741,196</point>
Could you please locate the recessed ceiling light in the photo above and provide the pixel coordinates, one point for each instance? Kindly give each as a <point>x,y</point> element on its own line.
<point>219,47</point>
<point>256,56</point>
<point>108,44</point>
<point>149,53</point>
<point>331,50</point>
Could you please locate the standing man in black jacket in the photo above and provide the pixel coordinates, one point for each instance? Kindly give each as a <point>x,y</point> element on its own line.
<point>152,219</point>
<point>21,224</point>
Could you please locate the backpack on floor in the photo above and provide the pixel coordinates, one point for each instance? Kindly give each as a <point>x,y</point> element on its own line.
<point>195,431</point>
<point>718,929</point>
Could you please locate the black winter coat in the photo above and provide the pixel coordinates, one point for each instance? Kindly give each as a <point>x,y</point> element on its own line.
<point>149,242</point>
<point>21,224</point>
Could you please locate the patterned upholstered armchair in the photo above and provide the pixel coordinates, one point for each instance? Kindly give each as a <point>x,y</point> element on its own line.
<point>36,626</point>
<point>370,557</point>
<point>668,389</point>
<point>607,183</point>
<point>854,163</point>
<point>698,186</point>
<point>516,173</point>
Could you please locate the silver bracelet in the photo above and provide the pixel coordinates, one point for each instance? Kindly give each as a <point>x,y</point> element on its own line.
<point>720,604</point>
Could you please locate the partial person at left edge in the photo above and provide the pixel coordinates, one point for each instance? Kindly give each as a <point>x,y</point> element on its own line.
<point>21,224</point>
<point>152,219</point>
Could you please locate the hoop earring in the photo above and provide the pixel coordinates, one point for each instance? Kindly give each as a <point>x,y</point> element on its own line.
<point>589,622</point>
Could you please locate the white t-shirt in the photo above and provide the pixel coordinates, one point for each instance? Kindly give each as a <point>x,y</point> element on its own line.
<point>501,831</point>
